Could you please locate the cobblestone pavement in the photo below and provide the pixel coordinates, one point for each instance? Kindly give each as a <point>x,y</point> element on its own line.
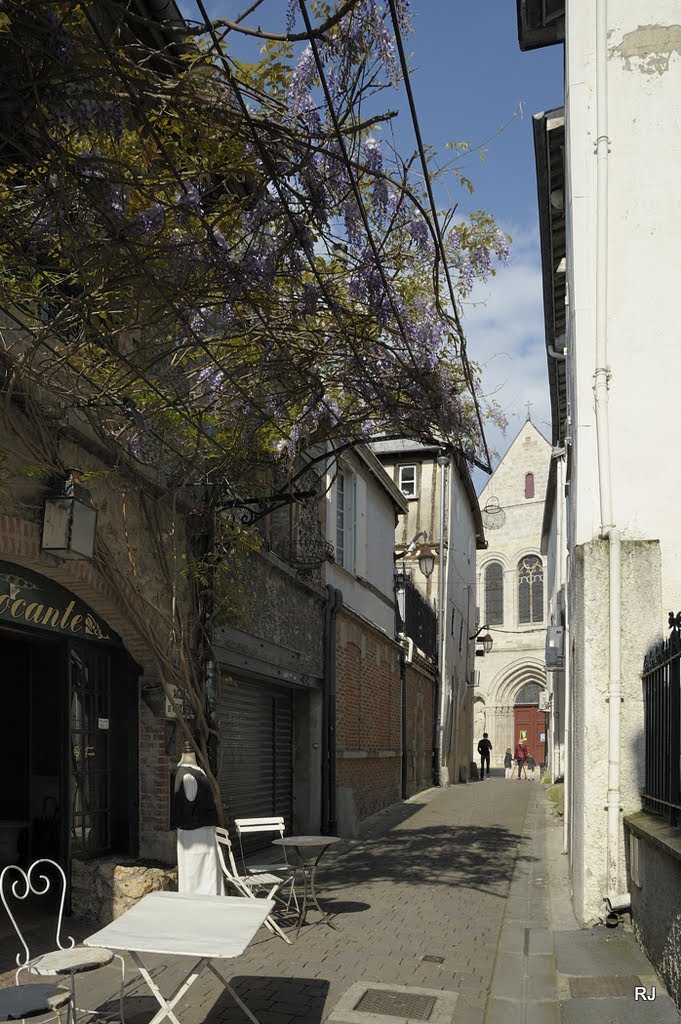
<point>447,891</point>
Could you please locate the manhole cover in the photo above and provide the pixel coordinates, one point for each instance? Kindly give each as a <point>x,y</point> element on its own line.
<point>396,1004</point>
<point>601,988</point>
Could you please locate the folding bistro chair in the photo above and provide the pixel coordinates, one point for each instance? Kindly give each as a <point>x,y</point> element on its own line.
<point>67,959</point>
<point>264,883</point>
<point>274,825</point>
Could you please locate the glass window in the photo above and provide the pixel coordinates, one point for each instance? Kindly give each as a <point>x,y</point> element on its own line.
<point>530,589</point>
<point>494,594</point>
<point>408,481</point>
<point>340,518</point>
<point>528,695</point>
<point>345,520</point>
<point>529,485</point>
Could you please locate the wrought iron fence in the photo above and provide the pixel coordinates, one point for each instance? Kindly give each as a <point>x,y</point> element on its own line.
<point>417,616</point>
<point>662,710</point>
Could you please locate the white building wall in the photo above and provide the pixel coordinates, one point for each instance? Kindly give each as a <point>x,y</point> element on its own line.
<point>644,364</point>
<point>368,587</point>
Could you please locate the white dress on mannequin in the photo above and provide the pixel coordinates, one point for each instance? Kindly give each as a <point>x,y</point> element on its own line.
<point>198,867</point>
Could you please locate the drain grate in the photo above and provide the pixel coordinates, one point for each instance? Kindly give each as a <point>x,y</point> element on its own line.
<point>407,1005</point>
<point>430,958</point>
<point>601,988</point>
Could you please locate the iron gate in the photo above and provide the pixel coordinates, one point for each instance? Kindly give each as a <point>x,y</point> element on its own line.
<point>662,707</point>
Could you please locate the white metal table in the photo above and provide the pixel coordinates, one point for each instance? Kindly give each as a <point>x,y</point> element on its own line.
<point>306,853</point>
<point>180,924</point>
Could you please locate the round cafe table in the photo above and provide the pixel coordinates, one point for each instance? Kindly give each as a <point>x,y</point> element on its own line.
<point>304,854</point>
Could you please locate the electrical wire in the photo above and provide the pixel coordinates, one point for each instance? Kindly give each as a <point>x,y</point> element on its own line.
<point>436,220</point>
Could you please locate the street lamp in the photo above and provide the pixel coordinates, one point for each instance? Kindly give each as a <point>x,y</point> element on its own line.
<point>426,553</point>
<point>487,641</point>
<point>70,521</point>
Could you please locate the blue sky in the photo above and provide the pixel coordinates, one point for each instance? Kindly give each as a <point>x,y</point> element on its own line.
<point>469,79</point>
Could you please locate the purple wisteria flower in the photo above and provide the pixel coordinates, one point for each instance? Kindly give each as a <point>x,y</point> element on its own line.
<point>301,101</point>
<point>373,155</point>
<point>149,222</point>
<point>420,233</point>
<point>309,300</point>
<point>189,199</point>
<point>353,223</point>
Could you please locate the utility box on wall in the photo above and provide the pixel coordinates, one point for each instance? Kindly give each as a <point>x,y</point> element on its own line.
<point>554,646</point>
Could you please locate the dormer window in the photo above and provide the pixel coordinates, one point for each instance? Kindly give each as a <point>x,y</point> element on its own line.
<point>529,485</point>
<point>407,481</point>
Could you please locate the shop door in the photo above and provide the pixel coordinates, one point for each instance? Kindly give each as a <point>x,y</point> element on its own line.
<point>256,753</point>
<point>103,751</point>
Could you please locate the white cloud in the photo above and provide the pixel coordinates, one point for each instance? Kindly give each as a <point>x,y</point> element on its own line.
<point>504,324</point>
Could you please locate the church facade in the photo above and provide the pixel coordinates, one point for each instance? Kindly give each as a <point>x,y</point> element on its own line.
<point>511,692</point>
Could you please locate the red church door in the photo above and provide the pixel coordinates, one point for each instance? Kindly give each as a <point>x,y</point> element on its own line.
<point>530,728</point>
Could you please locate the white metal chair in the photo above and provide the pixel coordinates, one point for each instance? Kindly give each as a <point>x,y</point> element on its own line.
<point>264,883</point>
<point>273,825</point>
<point>67,959</point>
<point>19,1002</point>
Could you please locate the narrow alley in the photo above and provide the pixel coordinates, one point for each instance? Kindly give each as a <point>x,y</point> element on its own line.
<point>460,892</point>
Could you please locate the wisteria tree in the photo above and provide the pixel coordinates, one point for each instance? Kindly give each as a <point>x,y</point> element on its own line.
<point>218,267</point>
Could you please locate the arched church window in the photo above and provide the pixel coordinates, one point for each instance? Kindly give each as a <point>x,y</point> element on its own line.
<point>494,594</point>
<point>529,485</point>
<point>529,694</point>
<point>530,589</point>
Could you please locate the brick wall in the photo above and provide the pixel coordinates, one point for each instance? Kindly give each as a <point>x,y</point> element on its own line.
<point>156,841</point>
<point>368,740</point>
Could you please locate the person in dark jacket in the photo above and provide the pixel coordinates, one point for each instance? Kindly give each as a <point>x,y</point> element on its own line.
<point>484,748</point>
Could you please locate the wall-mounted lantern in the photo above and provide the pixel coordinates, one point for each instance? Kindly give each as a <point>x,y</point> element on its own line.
<point>486,641</point>
<point>70,521</point>
<point>426,556</point>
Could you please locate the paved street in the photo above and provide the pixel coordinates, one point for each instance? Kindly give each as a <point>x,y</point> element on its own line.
<point>460,890</point>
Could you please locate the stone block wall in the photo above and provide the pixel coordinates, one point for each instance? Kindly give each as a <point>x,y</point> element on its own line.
<point>102,890</point>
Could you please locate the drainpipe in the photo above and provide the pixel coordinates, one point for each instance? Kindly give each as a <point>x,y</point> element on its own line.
<point>608,529</point>
<point>443,462</point>
<point>334,603</point>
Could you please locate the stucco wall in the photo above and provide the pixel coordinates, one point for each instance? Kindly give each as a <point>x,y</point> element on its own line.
<point>644,252</point>
<point>640,601</point>
<point>656,895</point>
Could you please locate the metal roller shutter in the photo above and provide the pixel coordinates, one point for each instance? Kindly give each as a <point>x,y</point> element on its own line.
<point>256,753</point>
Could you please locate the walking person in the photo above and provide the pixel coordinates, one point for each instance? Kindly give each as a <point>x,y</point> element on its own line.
<point>520,756</point>
<point>484,748</point>
<point>508,763</point>
<point>531,764</point>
